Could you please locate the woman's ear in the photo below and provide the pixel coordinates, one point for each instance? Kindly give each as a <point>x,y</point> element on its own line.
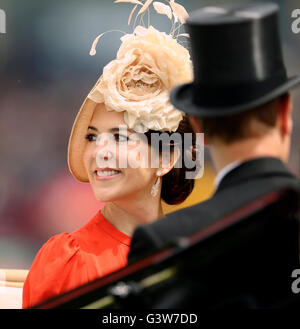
<point>174,157</point>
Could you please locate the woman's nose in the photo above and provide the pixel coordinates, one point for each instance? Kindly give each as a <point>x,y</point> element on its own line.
<point>103,154</point>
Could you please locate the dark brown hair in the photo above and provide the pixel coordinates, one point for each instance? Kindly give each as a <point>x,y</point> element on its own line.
<point>236,127</point>
<point>175,186</point>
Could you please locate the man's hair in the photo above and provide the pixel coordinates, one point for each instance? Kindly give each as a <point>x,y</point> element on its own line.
<point>241,126</point>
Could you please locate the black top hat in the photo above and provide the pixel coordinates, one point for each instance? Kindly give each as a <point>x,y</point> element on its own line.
<point>237,58</point>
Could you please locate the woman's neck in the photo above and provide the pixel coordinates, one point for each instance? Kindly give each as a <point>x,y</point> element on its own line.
<point>127,214</point>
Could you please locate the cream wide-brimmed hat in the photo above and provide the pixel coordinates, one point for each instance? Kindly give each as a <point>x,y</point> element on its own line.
<point>148,65</point>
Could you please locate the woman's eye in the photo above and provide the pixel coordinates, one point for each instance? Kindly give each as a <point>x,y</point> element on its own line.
<point>91,137</point>
<point>121,138</point>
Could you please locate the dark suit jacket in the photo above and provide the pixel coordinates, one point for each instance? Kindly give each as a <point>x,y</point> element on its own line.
<point>240,186</point>
<point>255,269</point>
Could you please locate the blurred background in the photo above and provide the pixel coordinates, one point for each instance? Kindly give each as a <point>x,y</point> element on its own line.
<point>45,74</point>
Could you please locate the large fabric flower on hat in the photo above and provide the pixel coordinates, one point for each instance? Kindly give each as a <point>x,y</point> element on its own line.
<point>149,63</point>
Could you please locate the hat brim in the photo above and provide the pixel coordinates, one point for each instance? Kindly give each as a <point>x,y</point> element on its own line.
<point>77,140</point>
<point>182,98</point>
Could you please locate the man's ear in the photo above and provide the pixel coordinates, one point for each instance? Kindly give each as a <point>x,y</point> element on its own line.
<point>195,124</point>
<point>285,116</point>
<point>194,121</point>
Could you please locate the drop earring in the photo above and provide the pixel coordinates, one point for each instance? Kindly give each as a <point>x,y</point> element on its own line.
<point>155,187</point>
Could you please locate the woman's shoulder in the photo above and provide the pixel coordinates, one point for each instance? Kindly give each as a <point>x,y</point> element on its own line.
<point>54,254</point>
<point>59,245</point>
<point>50,272</point>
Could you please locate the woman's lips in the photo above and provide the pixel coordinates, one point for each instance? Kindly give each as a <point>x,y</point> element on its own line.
<point>106,174</point>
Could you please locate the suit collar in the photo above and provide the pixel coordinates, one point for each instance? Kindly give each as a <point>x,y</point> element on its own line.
<point>222,173</point>
<point>248,170</point>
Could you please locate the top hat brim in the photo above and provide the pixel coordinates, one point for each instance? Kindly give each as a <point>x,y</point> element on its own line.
<point>182,97</point>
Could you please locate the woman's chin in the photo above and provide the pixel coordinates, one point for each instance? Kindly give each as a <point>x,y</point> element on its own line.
<point>105,193</point>
<point>103,196</point>
<point>111,197</point>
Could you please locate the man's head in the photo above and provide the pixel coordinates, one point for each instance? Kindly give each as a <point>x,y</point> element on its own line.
<point>264,126</point>
<point>239,92</point>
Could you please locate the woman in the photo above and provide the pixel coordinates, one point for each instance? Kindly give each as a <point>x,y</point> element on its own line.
<point>128,105</point>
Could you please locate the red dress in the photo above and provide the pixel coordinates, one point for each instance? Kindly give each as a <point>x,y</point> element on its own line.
<point>66,260</point>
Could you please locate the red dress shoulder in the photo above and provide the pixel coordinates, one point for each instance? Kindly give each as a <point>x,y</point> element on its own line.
<point>67,261</point>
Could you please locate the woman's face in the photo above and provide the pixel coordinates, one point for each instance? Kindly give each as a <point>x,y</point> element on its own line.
<point>115,169</point>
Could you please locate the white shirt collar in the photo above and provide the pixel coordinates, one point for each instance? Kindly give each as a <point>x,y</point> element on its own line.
<point>223,172</point>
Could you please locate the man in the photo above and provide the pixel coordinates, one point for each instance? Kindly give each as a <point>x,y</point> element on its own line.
<point>239,99</point>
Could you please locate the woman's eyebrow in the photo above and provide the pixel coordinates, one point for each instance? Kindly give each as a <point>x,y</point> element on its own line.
<point>117,129</point>
<point>92,128</point>
<point>112,130</point>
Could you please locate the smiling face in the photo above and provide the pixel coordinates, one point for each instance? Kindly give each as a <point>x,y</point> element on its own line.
<point>111,160</point>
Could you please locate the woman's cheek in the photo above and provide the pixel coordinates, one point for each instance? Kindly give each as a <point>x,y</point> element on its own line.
<point>121,156</point>
<point>135,154</point>
<point>142,156</point>
<point>87,158</point>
